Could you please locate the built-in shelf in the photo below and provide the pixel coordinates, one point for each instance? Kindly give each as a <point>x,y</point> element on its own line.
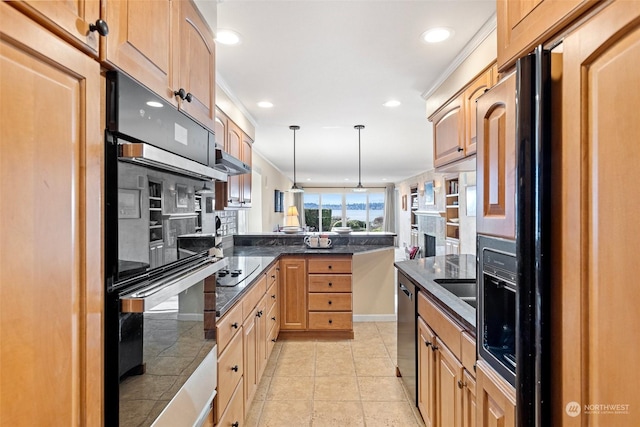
<point>452,209</point>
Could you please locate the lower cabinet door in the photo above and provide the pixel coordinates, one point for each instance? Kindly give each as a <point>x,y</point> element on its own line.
<point>250,359</point>
<point>426,373</point>
<point>468,400</point>
<point>495,398</point>
<point>448,388</point>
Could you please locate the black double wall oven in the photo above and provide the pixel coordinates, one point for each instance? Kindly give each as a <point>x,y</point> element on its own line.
<point>156,161</point>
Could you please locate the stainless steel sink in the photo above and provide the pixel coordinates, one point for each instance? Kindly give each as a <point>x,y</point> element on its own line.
<point>462,288</point>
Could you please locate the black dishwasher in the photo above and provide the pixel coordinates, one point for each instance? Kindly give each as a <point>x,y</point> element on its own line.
<point>406,333</point>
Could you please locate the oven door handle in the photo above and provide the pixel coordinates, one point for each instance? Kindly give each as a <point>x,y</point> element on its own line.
<point>407,292</point>
<point>144,299</point>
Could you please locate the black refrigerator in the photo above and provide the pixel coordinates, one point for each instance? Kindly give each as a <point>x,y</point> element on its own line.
<point>534,142</point>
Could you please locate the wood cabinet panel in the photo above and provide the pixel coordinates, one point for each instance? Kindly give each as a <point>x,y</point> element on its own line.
<point>69,19</point>
<point>321,320</point>
<point>234,414</point>
<point>468,348</point>
<point>335,265</point>
<point>330,283</point>
<point>330,302</point>
<point>523,24</point>
<point>596,305</point>
<point>496,160</point>
<point>196,68</point>
<point>140,43</point>
<point>230,370</point>
<point>448,132</point>
<point>448,331</point>
<point>253,297</point>
<point>426,373</point>
<point>495,398</point>
<point>471,94</point>
<point>51,277</point>
<point>245,188</point>
<point>228,325</point>
<point>250,344</point>
<point>293,294</point>
<point>233,147</point>
<point>448,387</point>
<point>469,408</point>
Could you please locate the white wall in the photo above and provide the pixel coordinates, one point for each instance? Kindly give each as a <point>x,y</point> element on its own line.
<point>374,286</point>
<point>261,216</point>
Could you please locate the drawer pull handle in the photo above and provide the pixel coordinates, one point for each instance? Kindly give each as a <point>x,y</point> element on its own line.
<point>330,284</point>
<point>273,339</point>
<point>234,325</point>
<point>427,343</point>
<point>273,296</point>
<point>273,276</point>
<point>273,318</point>
<point>259,314</point>
<point>330,321</point>
<point>329,302</point>
<point>434,347</point>
<point>100,26</point>
<point>330,267</point>
<point>236,424</point>
<point>234,368</point>
<point>461,384</point>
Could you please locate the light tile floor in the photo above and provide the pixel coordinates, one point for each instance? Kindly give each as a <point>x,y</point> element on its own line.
<point>335,383</point>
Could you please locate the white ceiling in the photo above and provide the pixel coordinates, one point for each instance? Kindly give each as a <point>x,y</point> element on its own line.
<point>329,65</point>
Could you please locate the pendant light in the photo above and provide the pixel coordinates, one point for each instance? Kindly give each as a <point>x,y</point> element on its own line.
<point>294,187</point>
<point>359,188</point>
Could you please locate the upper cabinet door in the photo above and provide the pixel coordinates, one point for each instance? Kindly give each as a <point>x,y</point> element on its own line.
<point>220,129</point>
<point>448,133</point>
<point>523,24</point>
<point>247,149</point>
<point>196,67</point>
<point>234,147</point>
<point>70,19</point>
<point>139,42</point>
<point>471,94</point>
<point>496,160</point>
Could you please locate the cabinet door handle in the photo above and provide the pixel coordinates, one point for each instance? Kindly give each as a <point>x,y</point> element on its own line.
<point>273,318</point>
<point>427,343</point>
<point>273,296</point>
<point>234,325</point>
<point>434,347</point>
<point>460,149</point>
<point>236,424</point>
<point>180,93</point>
<point>461,384</point>
<point>273,276</point>
<point>273,339</point>
<point>234,368</point>
<point>100,26</point>
<point>188,97</point>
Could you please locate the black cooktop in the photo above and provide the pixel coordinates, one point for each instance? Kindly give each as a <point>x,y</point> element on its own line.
<point>238,270</point>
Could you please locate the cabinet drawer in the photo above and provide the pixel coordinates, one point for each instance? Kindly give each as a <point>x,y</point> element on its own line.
<point>272,296</point>
<point>329,265</point>
<point>255,294</point>
<point>234,415</point>
<point>330,302</point>
<point>448,331</point>
<point>273,317</point>
<point>331,320</point>
<point>227,326</point>
<point>272,276</point>
<point>329,283</point>
<point>230,370</point>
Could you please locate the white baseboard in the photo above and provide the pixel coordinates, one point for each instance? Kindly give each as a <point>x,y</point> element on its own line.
<point>191,317</point>
<point>374,318</point>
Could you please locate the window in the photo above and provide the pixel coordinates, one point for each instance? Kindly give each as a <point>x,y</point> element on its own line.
<point>360,211</point>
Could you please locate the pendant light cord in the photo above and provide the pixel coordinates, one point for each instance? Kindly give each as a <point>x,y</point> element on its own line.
<point>359,127</point>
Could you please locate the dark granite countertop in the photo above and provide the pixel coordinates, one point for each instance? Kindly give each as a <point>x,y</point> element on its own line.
<point>267,256</point>
<point>424,271</point>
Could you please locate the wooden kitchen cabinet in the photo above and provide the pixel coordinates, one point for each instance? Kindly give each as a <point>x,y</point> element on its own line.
<point>448,132</point>
<point>331,310</point>
<point>596,220</point>
<point>196,65</point>
<point>51,276</point>
<point>523,24</point>
<point>495,398</point>
<point>236,192</point>
<point>496,160</point>
<point>140,41</point>
<point>446,390</point>
<point>293,293</point>
<point>71,20</point>
<point>426,373</point>
<point>479,86</point>
<point>255,349</point>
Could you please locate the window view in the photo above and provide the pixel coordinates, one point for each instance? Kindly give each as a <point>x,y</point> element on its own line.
<point>360,211</point>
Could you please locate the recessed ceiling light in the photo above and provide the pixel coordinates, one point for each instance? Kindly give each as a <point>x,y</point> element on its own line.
<point>391,103</point>
<point>308,179</point>
<point>384,179</point>
<point>154,104</point>
<point>265,104</point>
<point>227,37</point>
<point>346,179</point>
<point>436,35</point>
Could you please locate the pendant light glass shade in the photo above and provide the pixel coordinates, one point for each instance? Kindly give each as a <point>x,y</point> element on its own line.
<point>359,188</point>
<point>294,187</point>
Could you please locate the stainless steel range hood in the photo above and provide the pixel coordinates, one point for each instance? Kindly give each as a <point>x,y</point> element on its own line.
<point>149,155</point>
<point>230,165</point>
